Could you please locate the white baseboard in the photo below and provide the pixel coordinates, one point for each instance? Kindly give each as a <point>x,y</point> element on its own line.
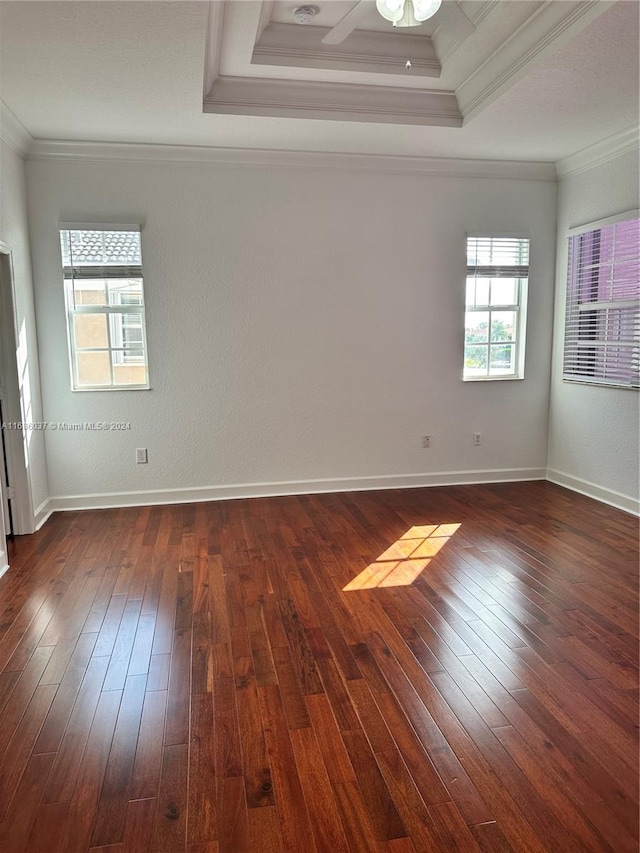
<point>4,569</point>
<point>593,490</point>
<point>296,487</point>
<point>42,513</point>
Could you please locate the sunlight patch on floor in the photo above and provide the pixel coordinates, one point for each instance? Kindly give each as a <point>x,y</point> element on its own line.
<point>403,561</point>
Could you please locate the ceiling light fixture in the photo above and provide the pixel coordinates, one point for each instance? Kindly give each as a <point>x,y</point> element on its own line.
<point>407,13</point>
<point>305,14</point>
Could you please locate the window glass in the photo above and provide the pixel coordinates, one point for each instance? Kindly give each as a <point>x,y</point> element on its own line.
<point>105,308</point>
<point>496,286</point>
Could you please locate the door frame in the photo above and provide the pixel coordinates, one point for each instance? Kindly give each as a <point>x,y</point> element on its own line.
<point>13,404</point>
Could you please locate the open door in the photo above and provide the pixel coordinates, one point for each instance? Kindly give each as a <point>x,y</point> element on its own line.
<point>4,554</point>
<point>5,485</point>
<point>16,505</point>
<point>5,515</point>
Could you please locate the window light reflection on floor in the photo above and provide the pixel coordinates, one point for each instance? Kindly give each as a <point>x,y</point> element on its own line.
<point>403,561</point>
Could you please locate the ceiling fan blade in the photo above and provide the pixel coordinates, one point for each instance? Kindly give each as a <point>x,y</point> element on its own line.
<point>348,24</point>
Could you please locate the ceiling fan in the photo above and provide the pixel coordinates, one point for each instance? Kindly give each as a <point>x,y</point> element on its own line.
<point>401,13</point>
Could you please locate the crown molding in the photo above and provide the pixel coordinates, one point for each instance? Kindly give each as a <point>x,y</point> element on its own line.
<point>481,10</point>
<point>601,152</point>
<point>553,24</point>
<point>302,47</point>
<point>452,20</point>
<point>13,132</point>
<point>337,60</point>
<point>266,10</point>
<point>213,43</point>
<point>109,152</point>
<point>332,101</point>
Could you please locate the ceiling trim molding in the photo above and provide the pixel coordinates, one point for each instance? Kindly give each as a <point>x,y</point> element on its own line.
<point>264,55</point>
<point>302,47</point>
<point>599,153</point>
<point>465,26</point>
<point>213,43</point>
<point>109,152</point>
<point>332,101</point>
<point>551,24</point>
<point>12,132</point>
<point>481,10</point>
<point>266,10</point>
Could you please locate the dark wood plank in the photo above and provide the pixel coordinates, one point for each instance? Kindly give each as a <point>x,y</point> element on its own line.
<point>264,830</point>
<point>380,806</point>
<point>138,824</point>
<point>255,761</point>
<point>323,811</point>
<point>109,823</point>
<point>233,816</point>
<point>145,776</point>
<point>20,747</point>
<point>88,784</point>
<point>294,817</point>
<point>16,828</point>
<point>171,816</point>
<point>203,819</point>
<point>53,729</point>
<point>72,742</point>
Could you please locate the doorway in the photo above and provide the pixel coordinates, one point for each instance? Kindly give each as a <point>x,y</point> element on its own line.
<point>6,494</point>
<point>16,516</point>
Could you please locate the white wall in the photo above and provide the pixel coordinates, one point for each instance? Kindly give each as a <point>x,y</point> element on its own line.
<point>593,436</point>
<point>303,324</point>
<point>15,233</point>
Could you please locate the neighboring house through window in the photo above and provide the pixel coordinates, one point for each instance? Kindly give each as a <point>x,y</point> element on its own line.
<point>105,307</point>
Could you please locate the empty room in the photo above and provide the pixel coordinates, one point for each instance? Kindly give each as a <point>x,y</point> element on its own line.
<point>319,373</point>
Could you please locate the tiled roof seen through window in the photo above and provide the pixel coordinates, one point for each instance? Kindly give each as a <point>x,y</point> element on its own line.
<point>100,247</point>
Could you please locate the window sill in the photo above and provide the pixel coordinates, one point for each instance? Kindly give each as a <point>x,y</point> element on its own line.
<point>491,378</point>
<point>111,388</point>
<point>602,384</point>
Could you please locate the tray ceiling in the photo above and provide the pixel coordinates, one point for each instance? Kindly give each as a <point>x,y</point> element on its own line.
<point>443,73</point>
<point>514,80</point>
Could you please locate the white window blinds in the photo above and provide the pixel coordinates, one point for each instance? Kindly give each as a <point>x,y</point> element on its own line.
<point>602,325</point>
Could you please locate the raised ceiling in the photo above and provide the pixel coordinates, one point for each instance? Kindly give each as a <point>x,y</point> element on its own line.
<point>501,80</point>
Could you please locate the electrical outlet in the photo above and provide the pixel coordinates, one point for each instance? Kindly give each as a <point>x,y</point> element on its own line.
<point>426,441</point>
<point>477,438</point>
<point>141,456</point>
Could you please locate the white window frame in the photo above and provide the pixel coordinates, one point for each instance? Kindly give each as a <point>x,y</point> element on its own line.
<point>519,308</point>
<point>594,378</point>
<point>115,348</point>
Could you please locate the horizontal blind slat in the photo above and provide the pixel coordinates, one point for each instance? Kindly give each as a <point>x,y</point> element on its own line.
<point>497,271</point>
<point>103,271</point>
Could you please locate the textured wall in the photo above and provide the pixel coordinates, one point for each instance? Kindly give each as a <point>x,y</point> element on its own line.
<point>593,433</point>
<point>14,232</point>
<point>301,324</point>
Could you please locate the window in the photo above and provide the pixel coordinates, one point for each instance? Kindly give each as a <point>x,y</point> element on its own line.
<point>602,322</point>
<point>105,307</point>
<point>497,278</point>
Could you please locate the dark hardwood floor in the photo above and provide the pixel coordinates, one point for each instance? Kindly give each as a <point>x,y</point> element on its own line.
<point>433,669</point>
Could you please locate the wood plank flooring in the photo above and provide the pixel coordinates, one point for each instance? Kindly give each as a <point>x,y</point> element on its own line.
<point>197,678</point>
